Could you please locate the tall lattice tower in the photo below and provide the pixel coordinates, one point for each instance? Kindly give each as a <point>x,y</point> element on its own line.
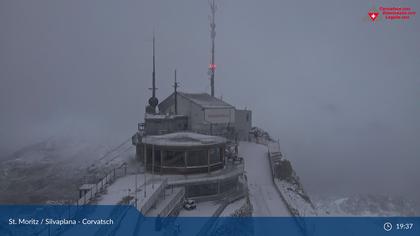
<point>212,66</point>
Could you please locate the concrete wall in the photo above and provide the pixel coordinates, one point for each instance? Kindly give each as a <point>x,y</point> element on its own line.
<point>190,109</point>
<point>196,116</point>
<point>243,123</point>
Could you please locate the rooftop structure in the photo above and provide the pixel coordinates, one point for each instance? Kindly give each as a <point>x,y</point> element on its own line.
<point>203,100</point>
<point>206,114</point>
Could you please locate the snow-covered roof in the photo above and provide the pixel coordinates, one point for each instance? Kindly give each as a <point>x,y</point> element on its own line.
<point>161,116</point>
<point>205,100</point>
<point>183,139</point>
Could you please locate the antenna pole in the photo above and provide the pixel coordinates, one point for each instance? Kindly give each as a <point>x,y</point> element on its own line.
<point>153,101</point>
<point>154,70</point>
<point>176,94</point>
<point>212,67</point>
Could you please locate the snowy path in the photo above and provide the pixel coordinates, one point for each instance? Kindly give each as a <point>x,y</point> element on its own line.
<point>264,197</point>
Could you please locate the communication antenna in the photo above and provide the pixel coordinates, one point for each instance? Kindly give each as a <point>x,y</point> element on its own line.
<point>176,85</point>
<point>153,101</point>
<point>212,66</point>
<point>154,70</point>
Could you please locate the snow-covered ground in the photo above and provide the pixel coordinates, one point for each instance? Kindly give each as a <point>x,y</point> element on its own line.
<point>234,206</point>
<point>296,198</point>
<point>265,199</point>
<point>121,188</point>
<point>54,169</point>
<point>364,205</point>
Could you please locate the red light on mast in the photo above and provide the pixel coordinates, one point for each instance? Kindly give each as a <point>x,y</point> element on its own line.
<point>212,66</point>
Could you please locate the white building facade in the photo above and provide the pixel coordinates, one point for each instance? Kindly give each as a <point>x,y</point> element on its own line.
<point>209,115</point>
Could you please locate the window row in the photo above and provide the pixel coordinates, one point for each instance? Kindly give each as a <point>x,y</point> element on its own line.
<point>185,158</point>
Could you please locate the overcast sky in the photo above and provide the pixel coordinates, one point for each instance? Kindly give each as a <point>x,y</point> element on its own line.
<point>340,92</point>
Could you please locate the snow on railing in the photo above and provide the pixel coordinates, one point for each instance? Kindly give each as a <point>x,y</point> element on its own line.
<point>229,198</point>
<point>151,199</point>
<point>296,200</point>
<point>173,203</point>
<point>102,184</point>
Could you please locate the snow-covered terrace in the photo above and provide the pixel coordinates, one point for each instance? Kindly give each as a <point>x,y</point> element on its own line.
<point>126,186</point>
<point>264,197</point>
<point>183,139</point>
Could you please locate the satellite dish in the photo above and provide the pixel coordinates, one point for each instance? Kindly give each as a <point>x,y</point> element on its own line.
<point>153,101</point>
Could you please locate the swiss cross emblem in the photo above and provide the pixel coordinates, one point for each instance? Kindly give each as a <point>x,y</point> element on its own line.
<point>373,15</point>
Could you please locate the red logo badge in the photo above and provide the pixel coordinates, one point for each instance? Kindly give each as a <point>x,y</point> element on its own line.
<point>373,15</point>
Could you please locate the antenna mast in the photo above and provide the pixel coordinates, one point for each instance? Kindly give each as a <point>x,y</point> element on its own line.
<point>212,67</point>
<point>153,101</point>
<point>176,85</point>
<point>154,70</point>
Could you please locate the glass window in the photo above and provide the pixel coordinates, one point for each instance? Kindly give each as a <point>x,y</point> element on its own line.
<point>215,156</point>
<point>197,158</point>
<point>173,158</point>
<point>157,157</point>
<point>149,155</point>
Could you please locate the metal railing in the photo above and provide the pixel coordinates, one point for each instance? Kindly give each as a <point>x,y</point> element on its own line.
<point>102,184</point>
<point>145,206</point>
<point>173,203</point>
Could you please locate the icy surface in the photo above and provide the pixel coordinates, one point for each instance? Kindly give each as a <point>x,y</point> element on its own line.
<point>264,197</point>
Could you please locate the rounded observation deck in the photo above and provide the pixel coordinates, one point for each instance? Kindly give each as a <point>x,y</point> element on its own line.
<point>182,153</point>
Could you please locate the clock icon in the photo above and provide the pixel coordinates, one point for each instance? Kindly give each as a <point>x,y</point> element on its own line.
<point>387,226</point>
